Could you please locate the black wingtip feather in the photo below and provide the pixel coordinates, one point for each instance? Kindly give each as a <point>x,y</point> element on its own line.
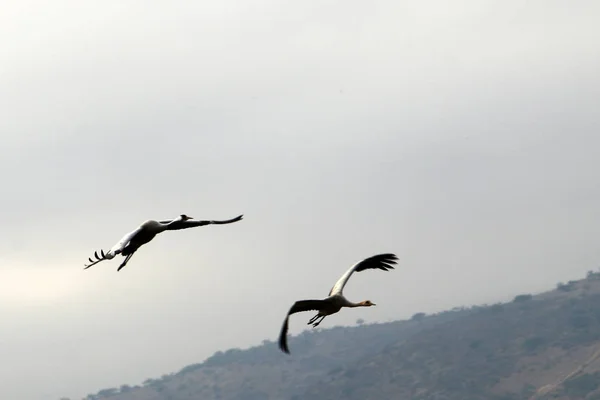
<point>97,260</point>
<point>283,347</point>
<point>283,337</point>
<point>383,262</point>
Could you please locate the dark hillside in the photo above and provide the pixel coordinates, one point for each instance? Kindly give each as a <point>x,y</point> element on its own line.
<point>541,346</point>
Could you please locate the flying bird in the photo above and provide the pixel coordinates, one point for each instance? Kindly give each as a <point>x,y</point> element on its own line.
<point>129,244</point>
<point>335,300</point>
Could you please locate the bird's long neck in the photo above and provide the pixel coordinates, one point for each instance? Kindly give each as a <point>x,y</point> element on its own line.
<point>356,304</point>
<point>348,303</point>
<point>163,227</point>
<point>166,226</point>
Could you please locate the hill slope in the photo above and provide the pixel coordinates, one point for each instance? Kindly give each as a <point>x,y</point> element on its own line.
<point>535,347</point>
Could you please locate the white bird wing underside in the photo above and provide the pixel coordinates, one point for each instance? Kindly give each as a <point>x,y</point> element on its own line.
<point>124,241</point>
<point>383,262</point>
<point>341,283</point>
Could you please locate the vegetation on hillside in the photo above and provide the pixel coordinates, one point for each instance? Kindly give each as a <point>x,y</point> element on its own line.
<point>535,347</point>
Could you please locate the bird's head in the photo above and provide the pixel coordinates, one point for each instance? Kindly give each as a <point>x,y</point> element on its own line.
<point>185,217</point>
<point>367,303</point>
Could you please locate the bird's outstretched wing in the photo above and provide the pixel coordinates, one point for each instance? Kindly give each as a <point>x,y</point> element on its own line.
<point>381,261</point>
<point>299,306</point>
<point>116,249</point>
<point>190,223</point>
<point>102,257</point>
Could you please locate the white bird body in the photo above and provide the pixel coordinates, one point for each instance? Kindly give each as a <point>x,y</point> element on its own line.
<point>144,233</point>
<point>336,300</point>
<point>117,248</point>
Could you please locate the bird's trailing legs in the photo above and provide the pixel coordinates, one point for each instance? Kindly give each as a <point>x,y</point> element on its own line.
<point>125,262</point>
<point>314,319</point>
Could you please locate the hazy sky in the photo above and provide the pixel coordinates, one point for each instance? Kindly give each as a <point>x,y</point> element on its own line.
<point>462,136</point>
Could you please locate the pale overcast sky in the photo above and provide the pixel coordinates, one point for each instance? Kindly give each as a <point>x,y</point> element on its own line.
<point>462,136</point>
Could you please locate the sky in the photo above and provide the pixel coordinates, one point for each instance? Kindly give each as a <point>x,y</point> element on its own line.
<point>461,136</point>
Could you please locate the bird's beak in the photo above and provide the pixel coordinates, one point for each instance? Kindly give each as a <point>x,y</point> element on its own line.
<point>374,304</point>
